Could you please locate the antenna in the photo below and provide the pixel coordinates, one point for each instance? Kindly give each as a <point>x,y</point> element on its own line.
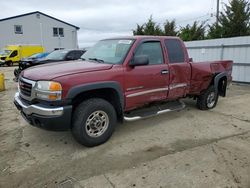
<point>217,11</point>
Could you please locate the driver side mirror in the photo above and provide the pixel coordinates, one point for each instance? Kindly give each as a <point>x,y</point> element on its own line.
<point>139,60</point>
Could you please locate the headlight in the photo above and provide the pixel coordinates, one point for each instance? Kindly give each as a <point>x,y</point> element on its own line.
<point>48,90</point>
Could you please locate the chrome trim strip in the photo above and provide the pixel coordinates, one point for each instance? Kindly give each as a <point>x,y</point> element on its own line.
<point>174,86</point>
<point>147,91</point>
<point>38,109</point>
<point>134,88</point>
<point>28,81</point>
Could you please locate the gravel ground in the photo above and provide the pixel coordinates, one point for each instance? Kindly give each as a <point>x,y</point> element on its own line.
<point>190,148</point>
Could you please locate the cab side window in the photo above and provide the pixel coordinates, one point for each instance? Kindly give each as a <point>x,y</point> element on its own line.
<point>175,51</point>
<point>14,53</point>
<point>153,50</point>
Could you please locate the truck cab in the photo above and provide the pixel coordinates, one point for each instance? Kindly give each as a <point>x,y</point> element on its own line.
<point>168,74</point>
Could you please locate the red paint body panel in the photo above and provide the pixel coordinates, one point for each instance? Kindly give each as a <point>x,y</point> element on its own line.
<point>203,72</point>
<point>69,81</point>
<point>143,79</point>
<point>141,84</point>
<point>53,70</point>
<point>180,73</point>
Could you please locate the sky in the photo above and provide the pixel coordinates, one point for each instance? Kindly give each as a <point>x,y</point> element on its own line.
<point>108,18</point>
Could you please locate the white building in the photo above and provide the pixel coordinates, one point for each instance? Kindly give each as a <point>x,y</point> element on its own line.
<point>38,28</point>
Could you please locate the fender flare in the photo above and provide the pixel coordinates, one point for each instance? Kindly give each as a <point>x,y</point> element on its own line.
<point>74,91</point>
<point>217,78</point>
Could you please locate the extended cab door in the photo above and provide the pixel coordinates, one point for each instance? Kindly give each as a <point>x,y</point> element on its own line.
<point>179,68</point>
<point>147,83</point>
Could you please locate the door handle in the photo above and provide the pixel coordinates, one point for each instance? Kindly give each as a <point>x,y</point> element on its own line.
<point>164,72</point>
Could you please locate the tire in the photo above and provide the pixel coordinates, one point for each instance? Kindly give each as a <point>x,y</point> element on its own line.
<point>208,99</point>
<point>9,63</point>
<point>16,74</point>
<point>90,115</point>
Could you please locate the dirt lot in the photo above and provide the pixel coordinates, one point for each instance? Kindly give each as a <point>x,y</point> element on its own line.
<point>191,148</point>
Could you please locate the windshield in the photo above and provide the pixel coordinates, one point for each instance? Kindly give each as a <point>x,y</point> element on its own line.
<point>57,55</point>
<point>111,51</point>
<point>5,52</point>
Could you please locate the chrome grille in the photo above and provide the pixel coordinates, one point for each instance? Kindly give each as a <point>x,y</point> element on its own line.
<point>25,88</point>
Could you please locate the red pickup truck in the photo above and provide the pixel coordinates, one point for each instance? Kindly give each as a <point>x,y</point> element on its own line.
<point>118,79</point>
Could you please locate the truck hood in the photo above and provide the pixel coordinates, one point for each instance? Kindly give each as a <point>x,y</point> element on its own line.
<point>58,69</point>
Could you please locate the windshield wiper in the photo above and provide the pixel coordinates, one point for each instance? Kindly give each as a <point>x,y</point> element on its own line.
<point>98,60</point>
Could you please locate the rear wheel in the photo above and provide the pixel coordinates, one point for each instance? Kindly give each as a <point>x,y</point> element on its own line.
<point>208,99</point>
<point>94,121</point>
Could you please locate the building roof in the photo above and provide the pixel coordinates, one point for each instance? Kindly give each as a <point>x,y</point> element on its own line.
<point>38,12</point>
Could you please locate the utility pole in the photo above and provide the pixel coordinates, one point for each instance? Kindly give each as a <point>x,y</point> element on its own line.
<point>217,11</point>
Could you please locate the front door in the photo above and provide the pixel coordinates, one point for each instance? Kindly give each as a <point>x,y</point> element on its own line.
<point>147,83</point>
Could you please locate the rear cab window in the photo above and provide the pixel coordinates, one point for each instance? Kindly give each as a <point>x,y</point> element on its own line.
<point>175,51</point>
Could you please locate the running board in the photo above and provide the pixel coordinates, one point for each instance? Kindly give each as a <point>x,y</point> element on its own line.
<point>154,110</point>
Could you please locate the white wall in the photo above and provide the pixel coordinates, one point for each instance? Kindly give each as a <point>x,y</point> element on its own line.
<point>236,49</point>
<point>37,31</point>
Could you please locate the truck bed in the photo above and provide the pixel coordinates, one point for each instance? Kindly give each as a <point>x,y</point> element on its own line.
<point>203,72</point>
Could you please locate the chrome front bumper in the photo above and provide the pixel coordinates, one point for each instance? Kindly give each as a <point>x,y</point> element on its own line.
<point>38,109</point>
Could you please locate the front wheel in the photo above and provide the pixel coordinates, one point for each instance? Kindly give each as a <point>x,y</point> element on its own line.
<point>208,99</point>
<point>94,121</point>
<point>9,63</point>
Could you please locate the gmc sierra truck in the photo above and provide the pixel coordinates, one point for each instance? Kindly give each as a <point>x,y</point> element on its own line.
<point>118,79</point>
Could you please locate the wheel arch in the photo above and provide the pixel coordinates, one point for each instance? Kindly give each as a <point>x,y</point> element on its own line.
<point>220,83</point>
<point>110,91</point>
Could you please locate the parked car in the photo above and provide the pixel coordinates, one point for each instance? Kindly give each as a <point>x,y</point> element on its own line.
<point>35,57</point>
<point>118,79</point>
<point>26,62</point>
<point>55,56</point>
<point>15,53</point>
